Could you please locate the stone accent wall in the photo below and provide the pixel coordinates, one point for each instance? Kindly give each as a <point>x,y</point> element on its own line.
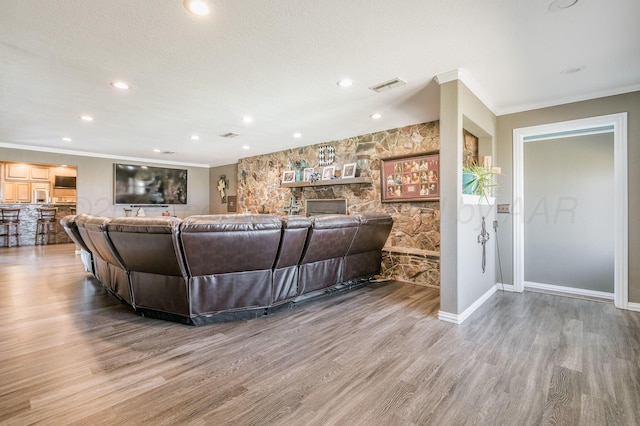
<point>412,252</point>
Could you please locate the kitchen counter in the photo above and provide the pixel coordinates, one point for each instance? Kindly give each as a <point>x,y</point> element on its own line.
<point>29,216</point>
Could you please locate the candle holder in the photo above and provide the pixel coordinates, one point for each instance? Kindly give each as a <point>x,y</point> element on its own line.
<point>362,165</point>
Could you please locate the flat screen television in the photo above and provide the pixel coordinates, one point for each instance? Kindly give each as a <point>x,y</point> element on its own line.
<point>134,184</point>
<point>64,182</point>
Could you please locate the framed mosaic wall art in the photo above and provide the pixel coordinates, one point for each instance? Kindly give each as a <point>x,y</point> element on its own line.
<point>410,178</point>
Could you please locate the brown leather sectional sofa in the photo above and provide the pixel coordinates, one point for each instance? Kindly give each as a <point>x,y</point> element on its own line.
<point>209,268</point>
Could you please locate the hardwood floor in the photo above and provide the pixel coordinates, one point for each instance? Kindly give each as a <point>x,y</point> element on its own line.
<point>71,354</point>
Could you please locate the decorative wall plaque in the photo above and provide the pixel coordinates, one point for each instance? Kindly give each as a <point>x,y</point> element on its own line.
<point>326,155</point>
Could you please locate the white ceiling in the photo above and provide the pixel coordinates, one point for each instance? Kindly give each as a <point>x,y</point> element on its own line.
<point>279,61</point>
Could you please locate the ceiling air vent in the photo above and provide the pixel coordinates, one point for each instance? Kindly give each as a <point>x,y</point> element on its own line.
<point>168,152</point>
<point>396,82</point>
<point>229,135</point>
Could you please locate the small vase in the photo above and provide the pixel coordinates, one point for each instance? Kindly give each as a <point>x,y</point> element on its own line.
<point>298,175</point>
<point>469,183</point>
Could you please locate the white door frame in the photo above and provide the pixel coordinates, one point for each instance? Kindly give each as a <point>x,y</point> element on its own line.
<point>620,208</point>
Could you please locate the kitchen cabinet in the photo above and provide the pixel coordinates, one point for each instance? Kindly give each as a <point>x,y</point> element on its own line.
<point>17,192</point>
<point>17,171</point>
<point>39,173</point>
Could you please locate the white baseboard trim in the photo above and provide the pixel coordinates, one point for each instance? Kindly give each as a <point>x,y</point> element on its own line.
<point>459,319</point>
<point>633,306</point>
<point>448,317</point>
<point>506,287</point>
<point>569,290</point>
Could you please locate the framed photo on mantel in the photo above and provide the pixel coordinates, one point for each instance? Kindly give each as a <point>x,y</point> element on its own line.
<point>410,178</point>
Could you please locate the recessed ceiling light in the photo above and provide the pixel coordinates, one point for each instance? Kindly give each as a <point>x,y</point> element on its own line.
<point>375,116</point>
<point>156,150</point>
<point>197,7</point>
<point>66,139</point>
<point>572,70</point>
<point>120,85</point>
<point>247,119</point>
<point>86,118</point>
<point>246,147</point>
<point>195,137</point>
<point>345,82</point>
<point>297,135</point>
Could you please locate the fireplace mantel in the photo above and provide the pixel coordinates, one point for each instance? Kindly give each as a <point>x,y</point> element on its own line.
<point>338,181</point>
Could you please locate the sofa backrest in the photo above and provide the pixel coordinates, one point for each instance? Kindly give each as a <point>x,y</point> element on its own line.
<point>71,228</point>
<point>373,230</point>
<point>322,262</point>
<point>294,237</point>
<point>217,244</point>
<point>93,232</point>
<point>285,273</point>
<point>80,222</point>
<point>364,257</point>
<point>148,244</point>
<point>330,237</point>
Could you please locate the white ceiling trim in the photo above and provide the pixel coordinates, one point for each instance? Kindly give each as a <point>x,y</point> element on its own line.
<point>464,76</point>
<point>98,155</point>
<point>568,100</point>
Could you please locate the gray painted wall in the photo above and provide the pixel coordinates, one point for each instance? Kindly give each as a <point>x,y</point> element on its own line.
<point>569,232</point>
<point>215,201</point>
<point>472,282</point>
<point>95,182</point>
<point>450,157</point>
<point>462,280</point>
<point>629,103</point>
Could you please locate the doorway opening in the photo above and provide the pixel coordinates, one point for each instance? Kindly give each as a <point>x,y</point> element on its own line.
<point>615,123</point>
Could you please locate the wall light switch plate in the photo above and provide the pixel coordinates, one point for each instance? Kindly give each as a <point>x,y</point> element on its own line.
<point>504,208</point>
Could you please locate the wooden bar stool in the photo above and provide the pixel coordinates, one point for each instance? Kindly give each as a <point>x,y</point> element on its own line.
<point>10,221</point>
<point>46,225</point>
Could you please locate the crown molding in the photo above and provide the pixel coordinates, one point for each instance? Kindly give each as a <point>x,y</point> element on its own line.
<point>98,155</point>
<point>465,77</point>
<point>568,100</point>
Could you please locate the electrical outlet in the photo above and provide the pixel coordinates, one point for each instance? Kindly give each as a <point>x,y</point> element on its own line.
<point>504,208</point>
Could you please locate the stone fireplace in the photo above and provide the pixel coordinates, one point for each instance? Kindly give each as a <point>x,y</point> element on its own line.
<point>412,252</point>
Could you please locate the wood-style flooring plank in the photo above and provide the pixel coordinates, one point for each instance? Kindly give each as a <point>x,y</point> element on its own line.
<point>563,399</point>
